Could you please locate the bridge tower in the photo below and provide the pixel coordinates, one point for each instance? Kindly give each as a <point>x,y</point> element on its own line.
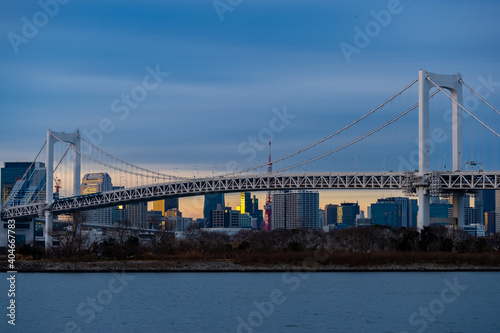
<point>74,140</point>
<point>453,83</point>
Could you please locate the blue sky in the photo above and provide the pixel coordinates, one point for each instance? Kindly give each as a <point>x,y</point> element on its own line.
<point>226,76</point>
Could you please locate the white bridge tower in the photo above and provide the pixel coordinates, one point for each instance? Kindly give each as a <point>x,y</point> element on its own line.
<point>74,140</point>
<point>453,83</point>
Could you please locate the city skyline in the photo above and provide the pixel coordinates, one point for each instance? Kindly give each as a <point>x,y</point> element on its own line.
<point>157,154</point>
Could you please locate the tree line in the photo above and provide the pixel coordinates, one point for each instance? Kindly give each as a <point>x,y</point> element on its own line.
<point>375,243</point>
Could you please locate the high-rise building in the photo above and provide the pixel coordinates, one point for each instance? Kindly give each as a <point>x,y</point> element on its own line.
<point>137,215</point>
<point>117,214</point>
<point>225,217</point>
<point>255,205</point>
<point>413,213</point>
<point>245,221</point>
<point>408,214</point>
<point>29,190</point>
<point>440,210</point>
<point>202,223</point>
<point>346,213</point>
<point>489,222</point>
<point>331,214</point>
<point>231,218</point>
<point>256,212</point>
<point>155,218</point>
<point>9,174</point>
<point>488,200</point>
<point>484,201</point>
<point>95,183</point>
<point>497,210</point>
<point>183,223</point>
<point>476,230</point>
<point>362,221</point>
<point>471,215</point>
<point>279,217</point>
<point>217,217</point>
<point>295,209</point>
<point>405,210</point>
<point>387,212</point>
<point>322,217</point>
<point>246,205</point>
<point>211,203</point>
<point>166,204</point>
<point>173,212</point>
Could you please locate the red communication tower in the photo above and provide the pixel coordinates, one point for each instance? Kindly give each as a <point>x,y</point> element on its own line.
<point>58,184</point>
<point>268,207</point>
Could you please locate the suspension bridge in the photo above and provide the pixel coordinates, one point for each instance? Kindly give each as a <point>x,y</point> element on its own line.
<point>138,184</point>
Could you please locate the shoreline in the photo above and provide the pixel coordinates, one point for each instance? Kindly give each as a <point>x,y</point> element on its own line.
<point>229,266</point>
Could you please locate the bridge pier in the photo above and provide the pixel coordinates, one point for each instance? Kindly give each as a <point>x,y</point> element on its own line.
<point>47,230</point>
<point>424,216</point>
<point>459,209</point>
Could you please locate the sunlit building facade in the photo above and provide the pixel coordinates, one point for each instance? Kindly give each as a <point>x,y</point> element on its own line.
<point>346,214</point>
<point>96,183</point>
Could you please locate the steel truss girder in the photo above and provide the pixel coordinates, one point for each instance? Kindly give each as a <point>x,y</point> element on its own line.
<point>442,182</point>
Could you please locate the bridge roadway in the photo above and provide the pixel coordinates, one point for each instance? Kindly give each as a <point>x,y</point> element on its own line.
<point>436,182</point>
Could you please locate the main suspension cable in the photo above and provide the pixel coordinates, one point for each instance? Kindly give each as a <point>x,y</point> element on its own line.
<point>358,139</point>
<point>331,135</point>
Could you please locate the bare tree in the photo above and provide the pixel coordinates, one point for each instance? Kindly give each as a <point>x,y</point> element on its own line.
<point>74,240</point>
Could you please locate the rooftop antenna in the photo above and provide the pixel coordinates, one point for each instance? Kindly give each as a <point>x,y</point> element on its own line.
<point>268,207</point>
<point>270,164</point>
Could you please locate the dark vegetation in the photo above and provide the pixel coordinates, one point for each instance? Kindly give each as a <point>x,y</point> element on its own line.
<point>374,245</point>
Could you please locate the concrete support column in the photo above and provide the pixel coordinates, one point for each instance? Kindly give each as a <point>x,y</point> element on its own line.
<point>459,208</point>
<point>423,208</point>
<point>47,230</point>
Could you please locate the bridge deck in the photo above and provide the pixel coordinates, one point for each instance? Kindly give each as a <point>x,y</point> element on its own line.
<point>436,182</point>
